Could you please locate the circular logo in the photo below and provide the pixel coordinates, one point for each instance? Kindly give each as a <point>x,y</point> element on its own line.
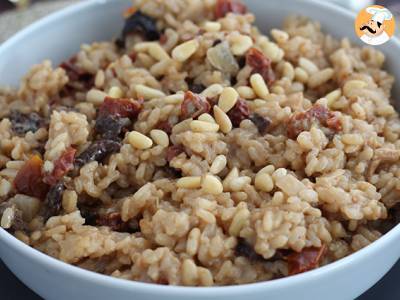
<point>375,25</point>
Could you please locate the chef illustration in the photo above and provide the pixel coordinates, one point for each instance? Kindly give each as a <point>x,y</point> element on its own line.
<point>374,30</point>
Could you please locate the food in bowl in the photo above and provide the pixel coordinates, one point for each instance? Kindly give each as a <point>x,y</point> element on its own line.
<point>194,150</point>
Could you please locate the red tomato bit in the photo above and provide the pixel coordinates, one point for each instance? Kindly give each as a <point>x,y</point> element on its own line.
<point>239,112</point>
<point>124,108</point>
<point>174,151</point>
<point>306,260</point>
<point>194,105</point>
<point>223,7</point>
<point>62,166</point>
<point>29,179</point>
<point>319,114</point>
<point>260,64</point>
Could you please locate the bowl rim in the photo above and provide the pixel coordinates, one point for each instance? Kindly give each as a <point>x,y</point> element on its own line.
<point>158,289</point>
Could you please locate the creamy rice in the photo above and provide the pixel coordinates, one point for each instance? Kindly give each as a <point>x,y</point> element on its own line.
<point>194,150</point>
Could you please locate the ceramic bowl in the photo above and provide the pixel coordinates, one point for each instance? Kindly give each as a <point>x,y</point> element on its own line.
<point>59,36</point>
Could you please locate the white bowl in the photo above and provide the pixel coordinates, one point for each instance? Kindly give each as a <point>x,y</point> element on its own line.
<point>57,37</point>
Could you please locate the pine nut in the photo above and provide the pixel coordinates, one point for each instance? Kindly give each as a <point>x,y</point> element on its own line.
<point>183,51</point>
<point>115,92</point>
<point>246,92</point>
<point>7,218</point>
<point>147,92</point>
<point>212,185</point>
<point>201,126</point>
<point>139,140</point>
<point>263,182</point>
<point>100,79</point>
<point>95,96</point>
<point>218,164</point>
<point>189,182</point>
<point>160,137</point>
<point>206,118</point>
<point>212,91</point>
<point>210,26</point>
<point>222,119</point>
<point>259,86</point>
<point>228,99</point>
<point>240,44</point>
<point>158,52</point>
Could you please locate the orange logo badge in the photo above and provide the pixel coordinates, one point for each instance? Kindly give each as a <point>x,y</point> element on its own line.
<point>375,25</point>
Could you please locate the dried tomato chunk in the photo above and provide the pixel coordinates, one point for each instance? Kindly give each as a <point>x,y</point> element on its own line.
<point>319,114</point>
<point>121,107</point>
<point>62,166</point>
<point>194,105</point>
<point>174,151</point>
<point>260,64</point>
<point>165,126</point>
<point>239,112</point>
<point>222,7</point>
<point>306,260</point>
<point>29,179</point>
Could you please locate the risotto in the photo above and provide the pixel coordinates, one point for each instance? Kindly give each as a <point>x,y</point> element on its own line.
<point>194,150</point>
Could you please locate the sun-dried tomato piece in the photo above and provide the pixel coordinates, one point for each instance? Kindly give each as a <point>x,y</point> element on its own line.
<point>139,23</point>
<point>62,166</point>
<point>194,105</point>
<point>260,64</point>
<point>319,114</point>
<point>97,151</point>
<point>133,56</point>
<point>165,126</point>
<point>174,151</point>
<point>163,39</point>
<point>239,112</point>
<point>121,107</point>
<point>23,123</point>
<point>53,202</point>
<point>222,7</point>
<point>261,123</point>
<point>115,223</point>
<point>307,259</point>
<point>29,179</point>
